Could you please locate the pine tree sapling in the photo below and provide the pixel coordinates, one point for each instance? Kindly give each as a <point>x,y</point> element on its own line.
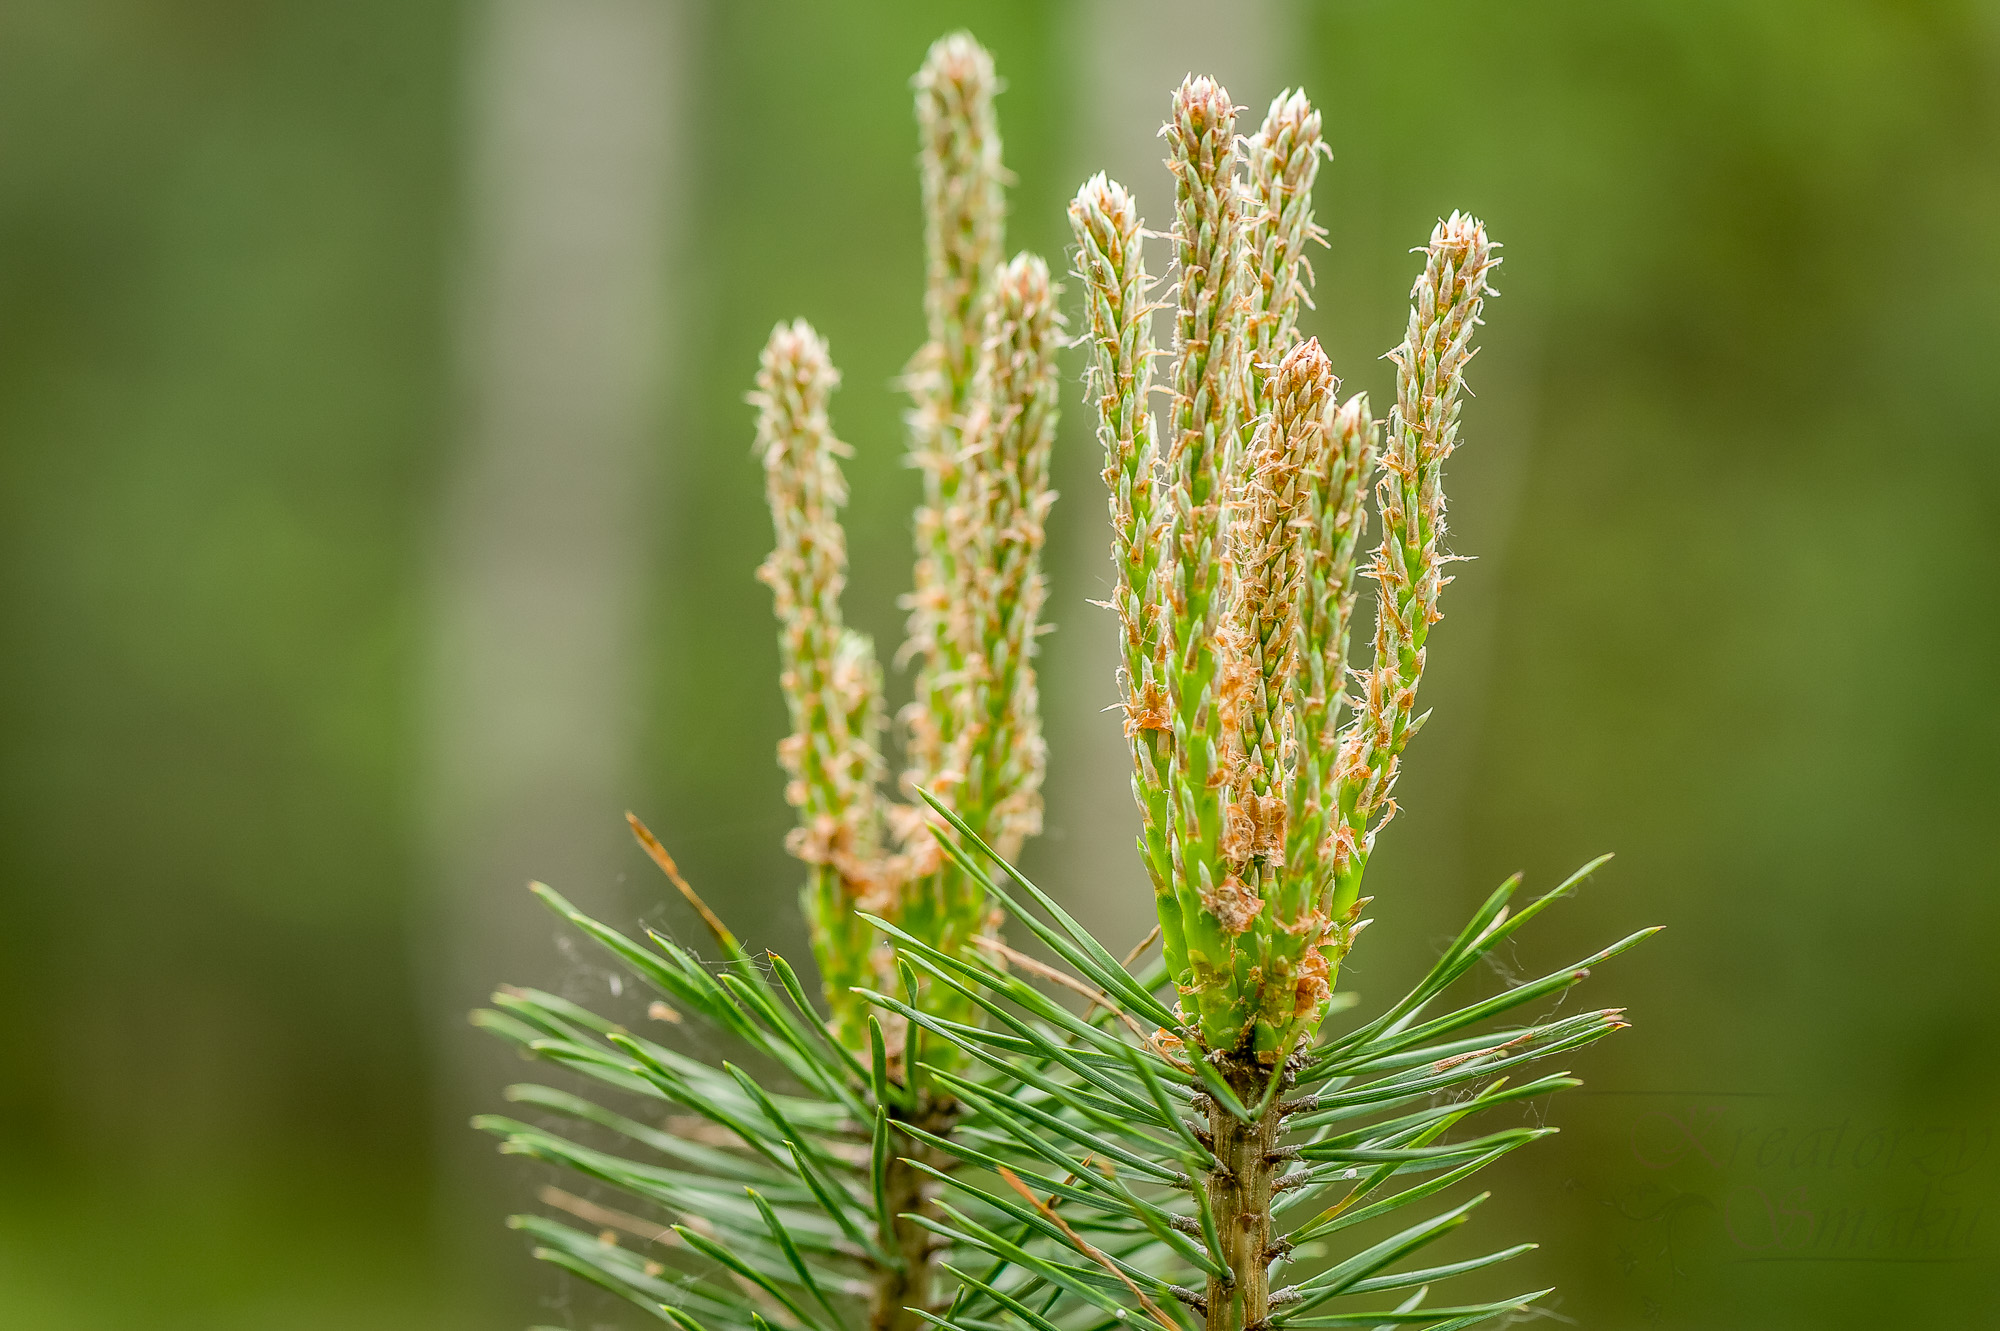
<point>791,1186</point>
<point>954,1133</point>
<point>1204,1150</point>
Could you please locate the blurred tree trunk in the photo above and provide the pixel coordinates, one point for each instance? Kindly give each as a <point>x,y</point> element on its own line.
<point>571,204</point>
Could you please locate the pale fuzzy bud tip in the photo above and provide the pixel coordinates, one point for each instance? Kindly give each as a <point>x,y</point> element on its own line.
<point>1306,370</point>
<point>1023,285</point>
<point>957,68</point>
<point>1102,201</point>
<point>1460,241</point>
<point>1290,110</point>
<point>1202,106</point>
<point>1352,418</point>
<point>796,356</point>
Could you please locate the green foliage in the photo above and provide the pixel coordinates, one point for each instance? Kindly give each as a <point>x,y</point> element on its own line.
<point>774,1196</point>
<point>836,1174</point>
<point>1112,1132</point>
<point>974,1153</point>
<point>1072,1156</point>
<point>1262,786</point>
<point>1259,804</point>
<point>983,390</point>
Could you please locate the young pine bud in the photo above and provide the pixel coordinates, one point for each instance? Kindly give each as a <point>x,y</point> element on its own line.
<point>1281,163</point>
<point>1269,553</point>
<point>832,685</point>
<point>996,533</point>
<point>1279,977</point>
<point>1408,564</point>
<point>1112,268</point>
<point>1203,684</point>
<point>1337,520</point>
<point>976,732</point>
<point>964,207</point>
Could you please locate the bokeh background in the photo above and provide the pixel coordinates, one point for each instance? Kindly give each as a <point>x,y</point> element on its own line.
<point>377,520</point>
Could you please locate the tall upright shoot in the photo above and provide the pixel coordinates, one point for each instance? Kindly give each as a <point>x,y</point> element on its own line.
<point>1261,783</point>
<point>832,686</point>
<point>982,422</point>
<point>801,1201</point>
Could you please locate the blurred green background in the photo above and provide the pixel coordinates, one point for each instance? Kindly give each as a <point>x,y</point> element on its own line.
<point>1733,475</point>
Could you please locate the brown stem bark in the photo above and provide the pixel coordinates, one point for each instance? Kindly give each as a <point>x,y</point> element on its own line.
<point>912,1283</point>
<point>1239,1192</point>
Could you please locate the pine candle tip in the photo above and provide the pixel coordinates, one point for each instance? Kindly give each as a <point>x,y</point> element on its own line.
<point>1352,415</point>
<point>1305,365</point>
<point>957,67</point>
<point>1291,107</point>
<point>1292,126</point>
<point>1201,104</point>
<point>1101,195</point>
<point>1023,283</point>
<point>1461,241</point>
<point>796,354</point>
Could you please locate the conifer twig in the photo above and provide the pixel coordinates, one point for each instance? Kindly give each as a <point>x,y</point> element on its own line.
<point>1111,263</point>
<point>1196,585</point>
<point>1408,563</point>
<point>852,1174</point>
<point>1281,163</point>
<point>975,726</point>
<point>1279,973</point>
<point>984,397</point>
<point>996,532</point>
<point>959,161</point>
<point>1338,520</point>
<point>832,686</point>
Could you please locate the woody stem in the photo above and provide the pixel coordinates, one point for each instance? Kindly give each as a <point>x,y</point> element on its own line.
<point>1239,1193</point>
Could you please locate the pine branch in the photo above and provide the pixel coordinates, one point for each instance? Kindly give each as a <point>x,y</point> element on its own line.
<point>1281,974</point>
<point>985,394</point>
<point>794,1186</point>
<point>1271,1165</point>
<point>1224,1142</point>
<point>964,211</point>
